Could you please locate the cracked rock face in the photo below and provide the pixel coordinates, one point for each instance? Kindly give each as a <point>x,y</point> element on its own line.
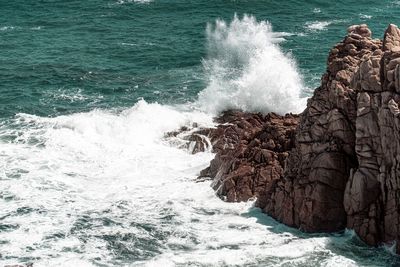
<point>344,170</point>
<point>372,198</point>
<point>250,153</point>
<point>311,194</point>
<point>340,167</point>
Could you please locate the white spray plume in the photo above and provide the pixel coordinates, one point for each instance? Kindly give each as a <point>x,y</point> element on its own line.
<point>248,70</point>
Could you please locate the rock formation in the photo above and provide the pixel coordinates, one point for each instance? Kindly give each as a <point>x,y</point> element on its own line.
<point>372,194</point>
<point>340,166</point>
<point>311,195</point>
<point>251,150</point>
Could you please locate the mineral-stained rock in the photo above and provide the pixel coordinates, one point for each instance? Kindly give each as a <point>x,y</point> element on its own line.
<point>340,166</point>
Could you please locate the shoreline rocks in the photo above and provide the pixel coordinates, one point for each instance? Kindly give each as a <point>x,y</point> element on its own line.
<point>336,165</point>
<point>251,150</point>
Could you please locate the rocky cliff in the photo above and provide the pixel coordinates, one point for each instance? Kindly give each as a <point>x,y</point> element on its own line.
<point>336,166</point>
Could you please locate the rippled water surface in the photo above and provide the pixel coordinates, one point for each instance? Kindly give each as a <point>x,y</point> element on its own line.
<point>87,91</point>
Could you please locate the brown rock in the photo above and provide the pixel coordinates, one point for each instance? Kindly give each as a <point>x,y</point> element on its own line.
<point>251,150</point>
<point>391,39</point>
<point>344,169</point>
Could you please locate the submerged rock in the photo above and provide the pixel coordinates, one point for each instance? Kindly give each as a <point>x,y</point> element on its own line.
<point>336,166</point>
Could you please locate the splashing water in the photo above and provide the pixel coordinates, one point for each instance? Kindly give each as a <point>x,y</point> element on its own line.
<point>248,70</point>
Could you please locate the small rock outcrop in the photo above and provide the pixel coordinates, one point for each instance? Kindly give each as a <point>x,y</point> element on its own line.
<point>336,166</point>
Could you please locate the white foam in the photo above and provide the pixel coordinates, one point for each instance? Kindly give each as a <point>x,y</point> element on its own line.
<point>129,44</point>
<point>11,28</point>
<point>248,70</point>
<point>317,25</point>
<point>339,261</point>
<point>364,16</point>
<point>85,163</point>
<point>316,10</point>
<point>6,28</point>
<point>71,95</point>
<point>134,1</point>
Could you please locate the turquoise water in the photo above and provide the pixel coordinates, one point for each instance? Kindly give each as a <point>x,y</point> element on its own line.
<point>87,91</point>
<point>60,57</point>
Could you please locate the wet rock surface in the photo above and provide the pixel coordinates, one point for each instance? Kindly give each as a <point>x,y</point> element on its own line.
<point>335,166</point>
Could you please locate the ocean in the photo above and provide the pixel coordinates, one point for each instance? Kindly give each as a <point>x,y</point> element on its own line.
<point>88,90</point>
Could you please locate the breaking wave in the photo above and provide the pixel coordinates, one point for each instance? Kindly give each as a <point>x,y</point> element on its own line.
<point>248,70</point>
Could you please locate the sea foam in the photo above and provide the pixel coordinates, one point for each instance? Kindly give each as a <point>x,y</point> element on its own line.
<point>317,25</point>
<point>248,70</point>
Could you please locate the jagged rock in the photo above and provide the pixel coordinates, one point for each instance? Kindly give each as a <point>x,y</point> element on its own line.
<point>360,188</point>
<point>391,39</point>
<point>341,166</point>
<point>318,168</point>
<point>251,150</point>
<point>193,139</point>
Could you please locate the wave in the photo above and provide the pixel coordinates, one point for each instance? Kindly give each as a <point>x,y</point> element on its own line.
<point>248,70</point>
